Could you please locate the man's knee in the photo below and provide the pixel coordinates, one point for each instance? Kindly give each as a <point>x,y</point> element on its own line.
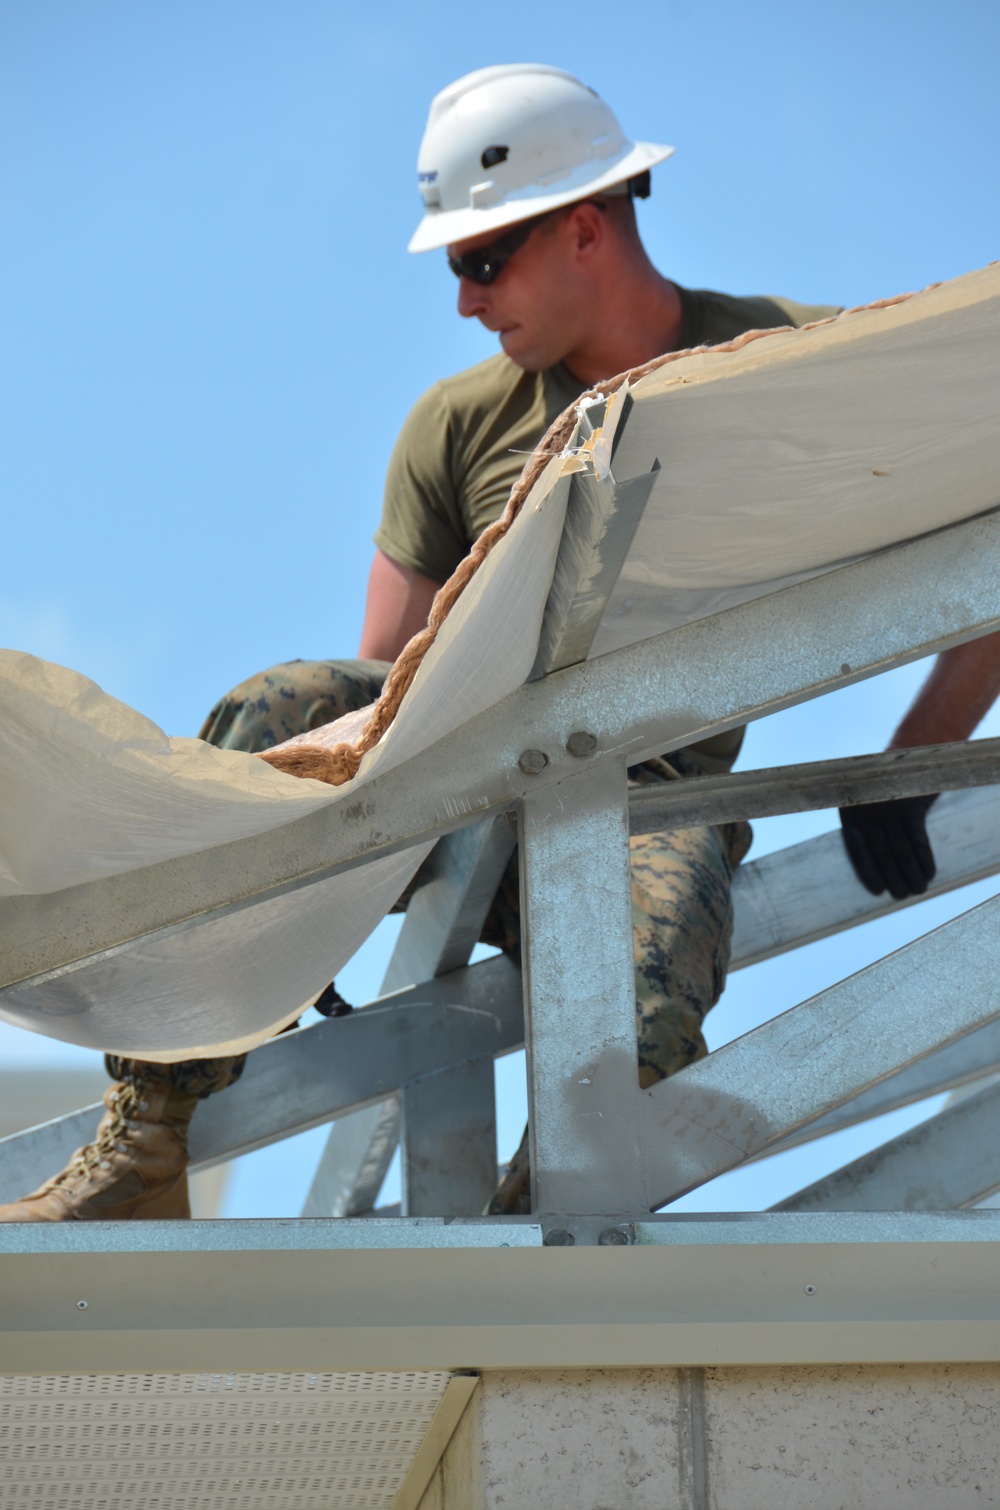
<point>289,699</point>
<point>196,1077</point>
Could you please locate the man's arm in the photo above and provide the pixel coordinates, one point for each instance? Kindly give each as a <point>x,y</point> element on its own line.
<point>398,605</point>
<point>887,841</point>
<point>961,689</point>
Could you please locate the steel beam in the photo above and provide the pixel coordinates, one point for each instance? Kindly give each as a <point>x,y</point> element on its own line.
<point>448,1127</point>
<point>445,914</point>
<point>442,924</point>
<point>579,995</point>
<point>950,1161</point>
<point>789,898</point>
<point>809,891</point>
<point>705,677</point>
<point>771,1289</point>
<point>449,1142</point>
<point>750,1094</point>
<point>959,1064</point>
<point>302,1079</point>
<point>355,1158</point>
<point>809,788</point>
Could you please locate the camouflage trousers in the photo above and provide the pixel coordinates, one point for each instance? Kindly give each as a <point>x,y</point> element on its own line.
<point>681,907</point>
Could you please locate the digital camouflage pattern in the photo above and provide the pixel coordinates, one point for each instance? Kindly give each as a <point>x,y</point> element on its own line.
<point>682,927</point>
<point>681,908</point>
<point>193,1077</point>
<point>291,699</point>
<point>260,713</point>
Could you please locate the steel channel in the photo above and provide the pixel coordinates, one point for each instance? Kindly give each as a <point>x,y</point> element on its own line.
<point>809,891</point>
<point>950,1161</point>
<point>442,924</point>
<point>703,678</point>
<point>820,784</point>
<point>355,1160</point>
<point>805,892</point>
<point>449,1142</point>
<point>302,1079</point>
<point>750,1094</point>
<point>576,921</point>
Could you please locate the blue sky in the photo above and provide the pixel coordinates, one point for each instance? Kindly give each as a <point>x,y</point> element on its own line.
<point>213,330</point>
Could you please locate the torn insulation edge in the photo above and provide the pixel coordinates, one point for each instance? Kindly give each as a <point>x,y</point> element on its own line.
<point>597,449</point>
<point>600,452</point>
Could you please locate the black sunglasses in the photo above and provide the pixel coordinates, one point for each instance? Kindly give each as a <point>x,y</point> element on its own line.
<point>486,263</point>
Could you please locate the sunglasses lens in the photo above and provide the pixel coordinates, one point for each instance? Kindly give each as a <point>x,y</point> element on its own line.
<point>486,264</point>
<point>480,267</point>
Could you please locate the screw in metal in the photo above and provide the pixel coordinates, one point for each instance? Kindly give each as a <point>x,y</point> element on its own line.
<point>532,762</point>
<point>810,1289</point>
<point>845,668</point>
<point>581,744</point>
<point>558,1238</point>
<point>613,1237</point>
<point>82,1305</point>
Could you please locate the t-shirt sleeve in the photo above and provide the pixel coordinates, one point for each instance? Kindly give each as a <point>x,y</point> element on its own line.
<point>803,314</point>
<point>421,525</point>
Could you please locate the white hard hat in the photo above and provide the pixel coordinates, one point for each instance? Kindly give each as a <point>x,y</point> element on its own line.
<point>506,143</point>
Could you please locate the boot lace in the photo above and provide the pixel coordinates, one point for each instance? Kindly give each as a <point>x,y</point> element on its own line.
<point>122,1101</point>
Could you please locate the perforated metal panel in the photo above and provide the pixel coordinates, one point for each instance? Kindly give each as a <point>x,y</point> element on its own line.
<point>211,1441</point>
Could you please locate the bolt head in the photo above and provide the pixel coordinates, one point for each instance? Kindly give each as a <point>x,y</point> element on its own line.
<point>533,762</point>
<point>81,1305</point>
<point>810,1289</point>
<point>613,1237</point>
<point>581,744</point>
<point>557,1237</point>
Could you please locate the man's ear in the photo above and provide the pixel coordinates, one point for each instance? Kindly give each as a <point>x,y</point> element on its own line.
<point>588,223</point>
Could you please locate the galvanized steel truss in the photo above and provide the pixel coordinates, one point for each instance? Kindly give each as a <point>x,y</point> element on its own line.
<point>549,762</point>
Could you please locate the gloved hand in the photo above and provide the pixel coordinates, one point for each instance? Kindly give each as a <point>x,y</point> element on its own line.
<point>888,846</point>
<point>330,1003</point>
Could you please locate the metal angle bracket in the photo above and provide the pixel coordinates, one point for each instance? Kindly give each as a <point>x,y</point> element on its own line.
<point>602,516</point>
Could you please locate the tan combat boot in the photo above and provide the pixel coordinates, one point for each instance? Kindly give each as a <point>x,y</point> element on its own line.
<point>134,1170</point>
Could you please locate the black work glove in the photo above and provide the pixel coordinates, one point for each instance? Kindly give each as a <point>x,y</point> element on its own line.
<point>330,1003</point>
<point>888,846</point>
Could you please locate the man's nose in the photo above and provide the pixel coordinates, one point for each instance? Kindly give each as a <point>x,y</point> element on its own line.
<point>472,299</point>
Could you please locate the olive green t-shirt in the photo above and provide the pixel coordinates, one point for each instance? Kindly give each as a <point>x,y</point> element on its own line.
<point>465,441</point>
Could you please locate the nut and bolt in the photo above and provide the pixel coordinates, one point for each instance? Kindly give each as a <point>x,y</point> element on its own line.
<point>613,1237</point>
<point>581,744</point>
<point>558,1237</point>
<point>533,762</point>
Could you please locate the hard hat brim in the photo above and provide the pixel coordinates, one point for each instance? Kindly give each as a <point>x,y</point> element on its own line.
<point>442,228</point>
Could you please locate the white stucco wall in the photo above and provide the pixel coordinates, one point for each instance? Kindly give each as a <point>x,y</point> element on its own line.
<point>896,1437</point>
